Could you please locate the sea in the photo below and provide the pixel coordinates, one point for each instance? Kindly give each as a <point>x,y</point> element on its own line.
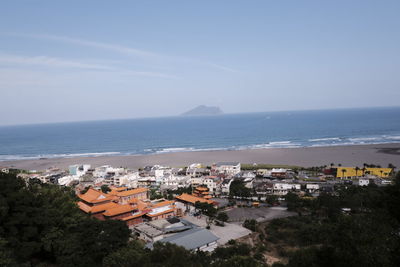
<point>223,132</point>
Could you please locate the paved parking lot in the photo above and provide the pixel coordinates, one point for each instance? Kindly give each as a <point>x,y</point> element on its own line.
<point>261,214</point>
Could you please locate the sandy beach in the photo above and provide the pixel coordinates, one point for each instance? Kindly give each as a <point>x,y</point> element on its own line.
<point>354,155</point>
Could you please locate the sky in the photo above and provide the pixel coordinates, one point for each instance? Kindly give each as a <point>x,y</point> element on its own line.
<point>94,60</point>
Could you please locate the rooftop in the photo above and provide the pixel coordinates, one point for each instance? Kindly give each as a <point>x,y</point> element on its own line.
<point>191,239</point>
<point>193,199</point>
<point>163,203</point>
<point>121,209</point>
<point>132,192</point>
<point>95,196</point>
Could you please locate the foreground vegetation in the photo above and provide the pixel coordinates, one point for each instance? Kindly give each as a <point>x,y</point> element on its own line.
<point>40,225</point>
<point>365,233</point>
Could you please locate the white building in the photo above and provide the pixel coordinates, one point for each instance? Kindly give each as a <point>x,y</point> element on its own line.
<point>228,168</point>
<point>312,188</point>
<point>225,186</point>
<point>363,182</point>
<point>78,170</point>
<point>66,180</point>
<point>196,181</point>
<point>282,189</point>
<point>213,183</point>
<point>249,182</point>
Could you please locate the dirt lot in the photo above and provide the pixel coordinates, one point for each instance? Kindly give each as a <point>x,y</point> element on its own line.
<point>261,214</point>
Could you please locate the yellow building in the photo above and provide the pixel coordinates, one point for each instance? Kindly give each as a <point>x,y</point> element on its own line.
<point>346,172</point>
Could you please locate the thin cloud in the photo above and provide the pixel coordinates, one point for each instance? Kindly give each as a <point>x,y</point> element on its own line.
<point>125,50</point>
<point>48,62</point>
<point>222,67</point>
<point>45,61</point>
<point>82,42</point>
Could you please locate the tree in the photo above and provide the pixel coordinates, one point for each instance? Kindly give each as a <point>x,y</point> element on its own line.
<point>238,189</point>
<point>41,223</point>
<point>222,216</point>
<point>6,258</point>
<point>105,188</point>
<point>357,169</point>
<point>293,201</point>
<point>250,224</point>
<point>391,166</point>
<point>363,171</point>
<point>206,209</point>
<point>343,172</point>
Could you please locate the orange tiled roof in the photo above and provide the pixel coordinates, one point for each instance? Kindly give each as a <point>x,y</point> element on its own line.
<point>96,209</point>
<point>95,196</point>
<point>193,199</point>
<point>113,192</point>
<point>163,203</point>
<point>201,188</point>
<point>120,209</point>
<point>119,189</point>
<point>132,192</point>
<point>103,207</point>
<point>137,215</point>
<point>84,207</point>
<point>133,201</point>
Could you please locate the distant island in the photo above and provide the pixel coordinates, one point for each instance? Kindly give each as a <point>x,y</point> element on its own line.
<point>203,110</point>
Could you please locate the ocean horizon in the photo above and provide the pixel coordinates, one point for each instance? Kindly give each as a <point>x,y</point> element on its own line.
<point>279,129</point>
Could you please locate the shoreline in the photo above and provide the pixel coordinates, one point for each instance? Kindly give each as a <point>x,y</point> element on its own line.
<point>347,155</point>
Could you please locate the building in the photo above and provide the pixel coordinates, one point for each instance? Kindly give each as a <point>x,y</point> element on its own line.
<point>187,202</point>
<point>227,168</point>
<point>279,173</point>
<point>348,172</point>
<point>263,172</point>
<point>363,182</point>
<point>109,207</point>
<point>4,169</point>
<point>78,170</point>
<point>154,231</point>
<point>126,195</point>
<point>196,239</point>
<point>213,183</point>
<point>225,186</point>
<point>161,210</point>
<point>196,181</point>
<point>202,191</point>
<point>312,188</point>
<point>282,189</point>
<point>94,197</point>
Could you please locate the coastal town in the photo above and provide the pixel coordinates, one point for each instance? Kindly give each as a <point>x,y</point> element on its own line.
<point>200,207</point>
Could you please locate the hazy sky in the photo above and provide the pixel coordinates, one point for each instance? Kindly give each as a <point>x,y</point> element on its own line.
<point>86,60</point>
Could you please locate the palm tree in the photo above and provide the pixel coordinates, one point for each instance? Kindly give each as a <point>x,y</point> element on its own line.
<point>357,169</point>
<point>363,170</point>
<point>343,172</point>
<point>391,166</point>
<point>381,173</point>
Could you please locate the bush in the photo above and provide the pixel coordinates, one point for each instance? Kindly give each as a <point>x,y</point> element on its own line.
<point>250,224</point>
